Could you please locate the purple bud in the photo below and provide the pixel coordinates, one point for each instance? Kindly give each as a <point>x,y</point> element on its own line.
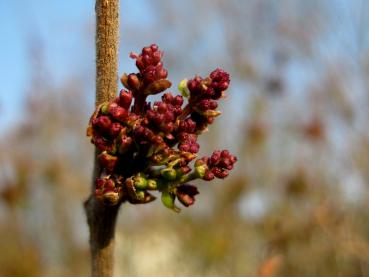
<point>178,100</point>
<point>219,173</point>
<point>125,99</point>
<point>161,107</point>
<point>117,112</point>
<point>167,98</point>
<point>115,129</point>
<point>208,176</point>
<point>102,123</point>
<point>186,194</point>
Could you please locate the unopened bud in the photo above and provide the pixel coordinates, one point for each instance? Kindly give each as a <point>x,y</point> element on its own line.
<point>182,87</point>
<point>140,182</point>
<point>125,98</point>
<point>151,184</point>
<point>140,195</point>
<point>211,113</point>
<point>169,174</point>
<point>201,170</point>
<point>105,108</point>
<point>133,81</point>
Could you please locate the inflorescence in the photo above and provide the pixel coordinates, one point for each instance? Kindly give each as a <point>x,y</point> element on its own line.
<point>144,147</point>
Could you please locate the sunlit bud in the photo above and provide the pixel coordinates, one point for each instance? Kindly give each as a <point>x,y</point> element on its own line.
<point>201,170</point>
<point>211,113</point>
<point>182,87</point>
<point>105,108</point>
<point>140,182</point>
<point>151,184</point>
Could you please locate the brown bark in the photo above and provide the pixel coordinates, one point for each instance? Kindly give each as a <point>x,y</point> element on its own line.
<point>107,42</point>
<point>101,218</point>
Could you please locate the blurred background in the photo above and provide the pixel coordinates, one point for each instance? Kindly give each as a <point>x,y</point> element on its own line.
<point>296,115</point>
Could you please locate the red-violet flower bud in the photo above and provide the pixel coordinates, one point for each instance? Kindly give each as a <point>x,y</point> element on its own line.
<point>167,98</point>
<point>220,79</point>
<point>115,129</point>
<point>183,170</point>
<point>187,125</point>
<point>102,144</point>
<point>207,104</point>
<point>186,194</point>
<point>190,144</point>
<point>125,99</point>
<point>178,100</point>
<point>161,107</point>
<point>215,157</point>
<point>102,123</point>
<point>219,173</point>
<point>208,176</point>
<point>117,112</point>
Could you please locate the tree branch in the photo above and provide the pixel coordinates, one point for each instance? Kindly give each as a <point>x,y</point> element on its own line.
<point>101,218</point>
<point>107,43</point>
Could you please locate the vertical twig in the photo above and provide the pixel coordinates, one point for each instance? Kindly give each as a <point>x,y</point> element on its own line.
<point>101,218</point>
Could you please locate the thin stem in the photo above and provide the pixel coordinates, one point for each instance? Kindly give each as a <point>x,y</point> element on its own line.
<point>100,217</point>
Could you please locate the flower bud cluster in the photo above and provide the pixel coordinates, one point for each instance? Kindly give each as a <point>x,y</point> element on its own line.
<point>144,147</point>
<point>217,165</point>
<point>204,95</point>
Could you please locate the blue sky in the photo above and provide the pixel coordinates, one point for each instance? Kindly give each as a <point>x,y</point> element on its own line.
<point>64,32</point>
<point>56,27</point>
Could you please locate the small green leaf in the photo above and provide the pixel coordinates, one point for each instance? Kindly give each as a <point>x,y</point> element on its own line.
<point>168,200</point>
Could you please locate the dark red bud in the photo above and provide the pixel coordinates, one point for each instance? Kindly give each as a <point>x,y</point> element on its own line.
<point>156,57</point>
<point>186,194</point>
<point>115,129</point>
<point>167,98</point>
<point>125,99</point>
<point>208,176</point>
<point>117,112</point>
<point>219,173</point>
<point>161,107</point>
<point>178,100</point>
<point>102,123</point>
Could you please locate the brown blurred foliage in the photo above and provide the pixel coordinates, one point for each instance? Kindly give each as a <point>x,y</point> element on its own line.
<point>297,203</point>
